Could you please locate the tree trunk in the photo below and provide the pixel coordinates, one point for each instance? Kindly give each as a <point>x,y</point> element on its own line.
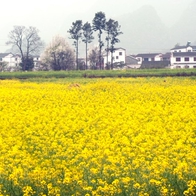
<point>100,47</point>
<point>108,51</point>
<point>86,56</point>
<point>77,67</point>
<point>112,50</point>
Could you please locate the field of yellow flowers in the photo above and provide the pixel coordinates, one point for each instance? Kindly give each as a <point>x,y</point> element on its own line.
<point>98,137</point>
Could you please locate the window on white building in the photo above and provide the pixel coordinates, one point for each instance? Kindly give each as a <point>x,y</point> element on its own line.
<point>186,59</point>
<point>178,59</point>
<point>120,53</point>
<point>194,58</point>
<point>116,57</point>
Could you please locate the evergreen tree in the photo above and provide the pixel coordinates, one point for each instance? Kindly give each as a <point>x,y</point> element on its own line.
<point>99,23</point>
<point>76,33</point>
<point>113,31</point>
<point>87,36</point>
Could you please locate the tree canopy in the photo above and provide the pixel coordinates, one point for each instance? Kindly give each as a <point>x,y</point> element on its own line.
<point>87,36</point>
<point>99,22</point>
<point>76,33</point>
<point>58,55</point>
<point>109,30</point>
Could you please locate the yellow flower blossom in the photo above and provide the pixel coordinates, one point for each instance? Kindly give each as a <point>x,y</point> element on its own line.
<point>131,136</point>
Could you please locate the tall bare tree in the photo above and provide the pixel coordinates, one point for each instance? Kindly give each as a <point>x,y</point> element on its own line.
<point>87,36</point>
<point>99,25</point>
<point>27,41</point>
<point>76,33</point>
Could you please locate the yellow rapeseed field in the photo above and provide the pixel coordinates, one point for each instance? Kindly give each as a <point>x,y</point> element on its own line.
<point>98,137</point>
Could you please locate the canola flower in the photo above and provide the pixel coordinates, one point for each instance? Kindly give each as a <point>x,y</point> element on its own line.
<point>98,137</point>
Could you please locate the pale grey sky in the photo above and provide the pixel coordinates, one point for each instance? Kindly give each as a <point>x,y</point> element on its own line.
<point>54,17</point>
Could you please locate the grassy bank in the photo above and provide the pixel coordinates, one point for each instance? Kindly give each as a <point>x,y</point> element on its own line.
<point>99,73</point>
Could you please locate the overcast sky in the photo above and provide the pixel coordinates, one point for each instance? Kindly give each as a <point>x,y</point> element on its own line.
<point>54,17</point>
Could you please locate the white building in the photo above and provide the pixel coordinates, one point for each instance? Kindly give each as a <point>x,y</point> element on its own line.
<point>37,62</point>
<point>183,60</point>
<point>148,57</point>
<point>10,60</point>
<point>183,56</point>
<point>118,55</point>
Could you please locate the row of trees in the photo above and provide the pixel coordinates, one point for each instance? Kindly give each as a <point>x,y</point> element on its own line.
<point>58,55</point>
<point>100,25</point>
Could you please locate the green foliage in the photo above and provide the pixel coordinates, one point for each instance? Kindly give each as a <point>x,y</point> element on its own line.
<point>75,30</point>
<point>99,22</point>
<point>101,74</point>
<point>113,31</point>
<point>100,25</point>
<point>87,33</point>
<point>3,65</point>
<point>87,36</point>
<point>176,183</point>
<point>76,33</point>
<point>27,64</point>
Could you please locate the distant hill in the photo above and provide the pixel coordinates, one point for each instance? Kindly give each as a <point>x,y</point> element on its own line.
<point>143,31</point>
<point>185,29</point>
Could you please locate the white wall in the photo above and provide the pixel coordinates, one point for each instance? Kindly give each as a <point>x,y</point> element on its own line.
<point>157,58</point>
<point>118,56</point>
<point>185,49</point>
<point>182,63</point>
<point>12,60</point>
<point>139,60</point>
<point>191,60</point>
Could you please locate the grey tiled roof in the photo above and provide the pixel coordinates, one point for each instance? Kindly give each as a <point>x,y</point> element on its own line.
<point>148,55</point>
<point>2,55</point>
<point>183,54</point>
<point>181,47</point>
<point>166,55</point>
